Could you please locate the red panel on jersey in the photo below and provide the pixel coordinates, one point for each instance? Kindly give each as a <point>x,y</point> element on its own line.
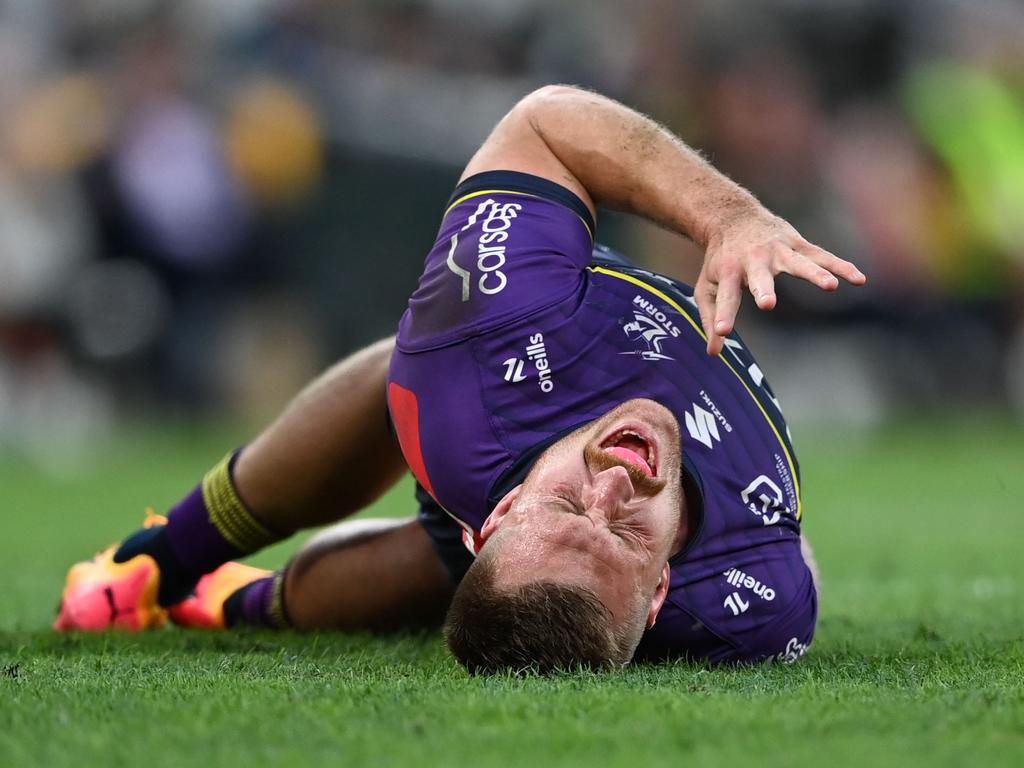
<point>405,413</point>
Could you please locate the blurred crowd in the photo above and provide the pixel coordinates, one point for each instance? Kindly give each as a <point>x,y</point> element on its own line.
<point>202,203</point>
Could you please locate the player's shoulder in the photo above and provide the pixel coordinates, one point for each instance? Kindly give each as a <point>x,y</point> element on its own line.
<point>509,244</point>
<point>521,188</point>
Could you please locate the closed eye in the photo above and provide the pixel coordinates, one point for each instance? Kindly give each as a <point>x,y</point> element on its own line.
<point>563,499</point>
<point>568,505</point>
<point>623,532</point>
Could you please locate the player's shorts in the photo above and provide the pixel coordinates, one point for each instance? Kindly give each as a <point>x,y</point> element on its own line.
<point>445,533</point>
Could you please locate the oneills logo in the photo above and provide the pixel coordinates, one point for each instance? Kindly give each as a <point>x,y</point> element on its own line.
<point>536,353</point>
<point>738,578</point>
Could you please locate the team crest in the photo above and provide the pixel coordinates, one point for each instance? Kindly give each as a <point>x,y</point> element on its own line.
<point>648,330</point>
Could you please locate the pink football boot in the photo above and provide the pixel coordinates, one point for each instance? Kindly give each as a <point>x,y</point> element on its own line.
<point>101,594</point>
<point>204,608</point>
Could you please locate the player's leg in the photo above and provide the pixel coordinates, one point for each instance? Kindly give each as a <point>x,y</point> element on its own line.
<point>371,574</point>
<point>380,575</point>
<point>377,575</point>
<point>329,454</point>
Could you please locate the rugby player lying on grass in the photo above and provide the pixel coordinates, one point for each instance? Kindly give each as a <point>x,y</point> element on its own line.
<point>602,468</point>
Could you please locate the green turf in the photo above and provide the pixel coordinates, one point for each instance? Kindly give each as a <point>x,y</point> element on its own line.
<point>919,658</point>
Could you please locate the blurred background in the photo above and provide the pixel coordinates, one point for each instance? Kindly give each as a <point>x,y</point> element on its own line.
<point>204,203</point>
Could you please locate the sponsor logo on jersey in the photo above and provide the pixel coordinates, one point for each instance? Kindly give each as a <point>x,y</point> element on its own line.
<point>514,370</point>
<point>763,498</point>
<point>702,426</point>
<point>714,409</point>
<point>490,249</point>
<point>651,326</point>
<point>782,467</point>
<point>737,578</point>
<point>736,604</point>
<point>537,353</point>
<point>794,650</point>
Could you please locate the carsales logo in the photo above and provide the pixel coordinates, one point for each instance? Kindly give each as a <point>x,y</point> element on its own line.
<point>490,249</point>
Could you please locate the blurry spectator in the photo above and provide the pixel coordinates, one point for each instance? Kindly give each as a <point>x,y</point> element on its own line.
<point>171,168</point>
<point>185,190</point>
<point>274,142</point>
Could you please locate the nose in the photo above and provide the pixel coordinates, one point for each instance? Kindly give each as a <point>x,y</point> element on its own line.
<point>610,489</point>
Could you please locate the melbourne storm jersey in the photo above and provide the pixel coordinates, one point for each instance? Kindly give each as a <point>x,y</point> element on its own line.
<point>520,332</point>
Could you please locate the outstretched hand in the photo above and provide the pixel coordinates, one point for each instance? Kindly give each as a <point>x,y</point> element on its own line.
<point>749,252</point>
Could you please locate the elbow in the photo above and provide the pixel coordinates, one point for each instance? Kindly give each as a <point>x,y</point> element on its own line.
<point>556,91</point>
<point>548,97</point>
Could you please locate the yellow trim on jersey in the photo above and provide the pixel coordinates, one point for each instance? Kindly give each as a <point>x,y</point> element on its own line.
<point>664,297</point>
<point>464,198</point>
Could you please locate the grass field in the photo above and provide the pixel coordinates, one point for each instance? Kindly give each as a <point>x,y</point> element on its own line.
<point>919,658</point>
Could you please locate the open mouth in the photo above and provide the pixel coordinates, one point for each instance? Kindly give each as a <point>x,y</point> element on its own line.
<point>630,446</point>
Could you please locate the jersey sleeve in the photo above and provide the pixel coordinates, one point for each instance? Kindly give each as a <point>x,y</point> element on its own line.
<point>510,244</point>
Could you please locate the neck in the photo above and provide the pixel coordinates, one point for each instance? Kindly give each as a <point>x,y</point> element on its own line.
<point>688,522</point>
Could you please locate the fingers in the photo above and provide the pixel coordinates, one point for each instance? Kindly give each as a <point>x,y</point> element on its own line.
<point>796,264</point>
<point>715,344</point>
<point>762,286</point>
<point>720,287</point>
<point>829,261</point>
<point>704,295</point>
<point>727,302</point>
<point>719,302</point>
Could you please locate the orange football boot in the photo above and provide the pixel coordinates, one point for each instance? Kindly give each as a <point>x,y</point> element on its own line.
<point>204,608</point>
<point>101,594</point>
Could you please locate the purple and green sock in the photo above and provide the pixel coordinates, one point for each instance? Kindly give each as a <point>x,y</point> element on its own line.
<point>259,604</point>
<point>206,529</point>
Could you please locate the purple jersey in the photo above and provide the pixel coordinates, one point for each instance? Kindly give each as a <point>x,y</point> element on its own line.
<point>517,335</point>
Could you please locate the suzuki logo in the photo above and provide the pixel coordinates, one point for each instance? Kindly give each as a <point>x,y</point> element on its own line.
<point>514,370</point>
<point>702,426</point>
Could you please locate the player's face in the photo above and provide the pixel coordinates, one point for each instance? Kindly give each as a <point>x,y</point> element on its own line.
<point>601,507</point>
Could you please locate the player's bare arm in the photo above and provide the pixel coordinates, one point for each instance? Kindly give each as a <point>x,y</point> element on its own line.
<point>615,157</point>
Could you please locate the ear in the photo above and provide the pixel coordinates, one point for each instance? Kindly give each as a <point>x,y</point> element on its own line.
<point>660,593</point>
<point>498,514</point>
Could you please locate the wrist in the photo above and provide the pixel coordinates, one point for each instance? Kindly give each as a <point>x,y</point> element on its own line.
<point>720,215</point>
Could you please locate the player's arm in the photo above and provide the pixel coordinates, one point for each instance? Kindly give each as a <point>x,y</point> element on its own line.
<point>615,157</point>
